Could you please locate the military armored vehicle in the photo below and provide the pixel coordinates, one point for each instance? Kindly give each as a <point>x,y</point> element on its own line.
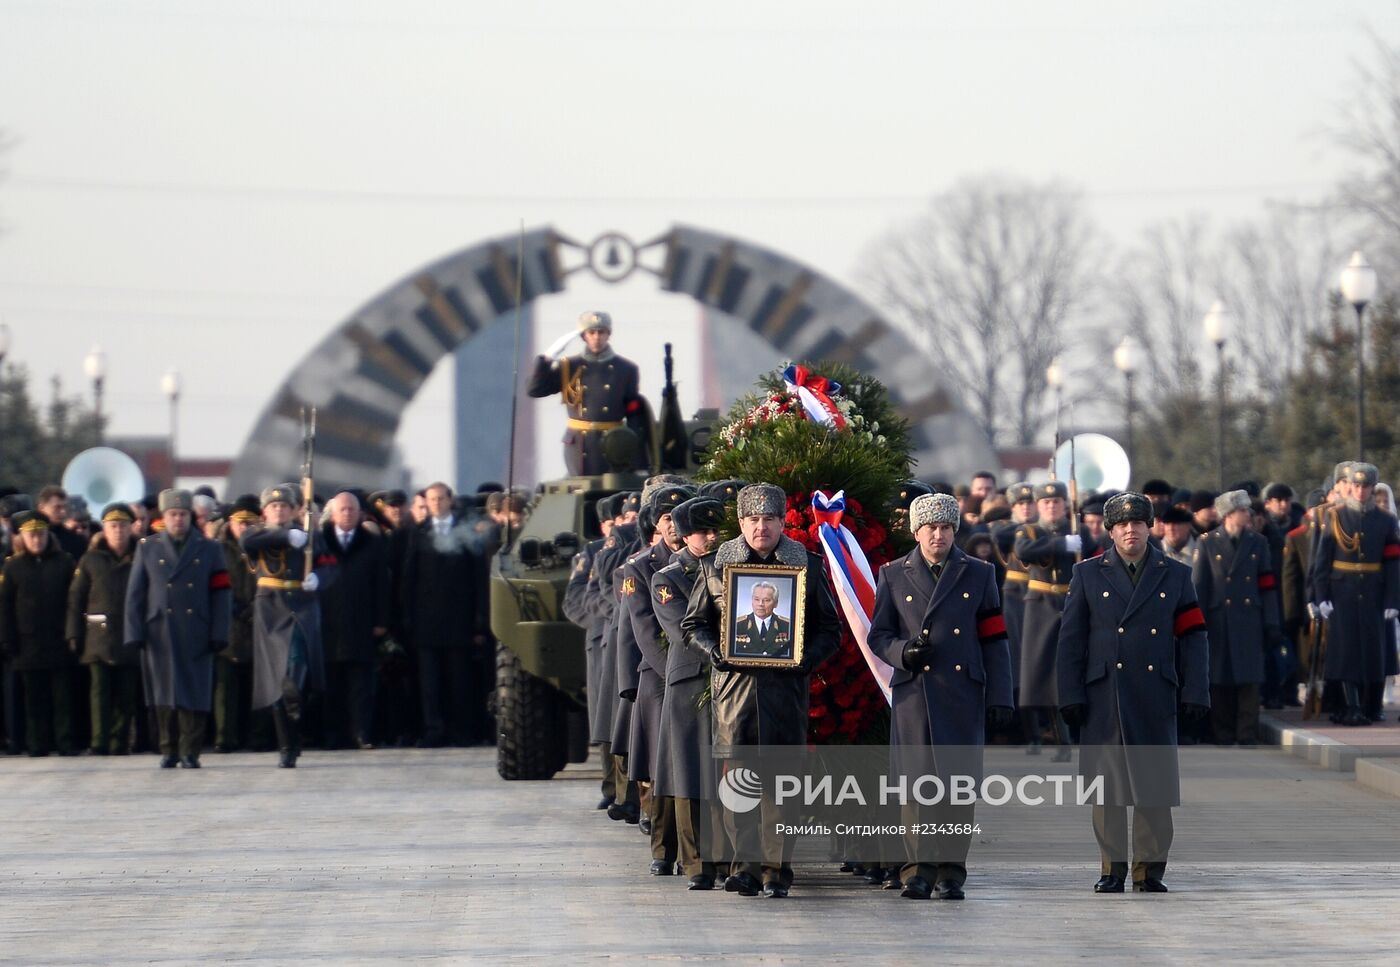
<point>540,697</point>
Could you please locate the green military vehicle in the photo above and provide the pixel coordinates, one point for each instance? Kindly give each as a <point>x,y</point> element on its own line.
<point>540,699</point>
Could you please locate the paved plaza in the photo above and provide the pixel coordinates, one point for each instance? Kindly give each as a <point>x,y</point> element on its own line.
<point>394,856</point>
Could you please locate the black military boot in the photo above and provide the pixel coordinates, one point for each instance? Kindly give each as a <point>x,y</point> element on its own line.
<point>1351,697</point>
<point>288,743</point>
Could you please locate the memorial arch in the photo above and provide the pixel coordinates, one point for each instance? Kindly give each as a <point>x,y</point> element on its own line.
<point>364,373</point>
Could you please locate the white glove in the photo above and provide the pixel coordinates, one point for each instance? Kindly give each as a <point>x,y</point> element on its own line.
<point>1074,543</point>
<point>311,582</point>
<point>296,538</point>
<point>1324,608</point>
<point>1312,611</point>
<point>1391,614</point>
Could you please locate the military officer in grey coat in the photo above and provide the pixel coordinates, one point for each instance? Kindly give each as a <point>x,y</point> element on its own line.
<point>1132,650</point>
<point>1238,592</point>
<point>684,768</point>
<point>607,579</point>
<point>580,608</point>
<point>760,706</point>
<point>644,632</point>
<point>288,658</point>
<point>938,622</point>
<point>178,611</point>
<point>600,391</point>
<point>1049,552</point>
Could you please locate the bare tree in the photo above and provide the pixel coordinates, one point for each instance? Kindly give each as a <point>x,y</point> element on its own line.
<point>1275,274</point>
<point>1164,293</point>
<point>1370,132</point>
<point>986,279</point>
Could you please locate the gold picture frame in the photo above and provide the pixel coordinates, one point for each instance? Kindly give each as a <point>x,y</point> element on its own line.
<point>748,589</point>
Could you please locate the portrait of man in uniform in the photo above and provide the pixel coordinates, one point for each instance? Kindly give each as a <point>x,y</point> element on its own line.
<point>761,629</point>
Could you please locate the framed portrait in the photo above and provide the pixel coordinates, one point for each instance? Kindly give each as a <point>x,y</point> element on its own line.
<point>763,608</point>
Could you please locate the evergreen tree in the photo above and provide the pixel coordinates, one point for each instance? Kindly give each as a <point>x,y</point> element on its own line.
<point>34,449</point>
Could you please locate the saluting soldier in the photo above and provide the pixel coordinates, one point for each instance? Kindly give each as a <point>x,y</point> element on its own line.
<point>288,658</point>
<point>1356,576</point>
<point>641,635</point>
<point>33,601</point>
<point>938,622</point>
<point>1049,552</point>
<point>1132,649</point>
<point>178,613</point>
<point>760,706</point>
<point>600,392</point>
<point>684,767</point>
<point>96,626</point>
<point>580,607</point>
<point>1238,591</point>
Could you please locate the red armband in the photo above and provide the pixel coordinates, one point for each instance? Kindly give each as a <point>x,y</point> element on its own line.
<point>633,406</point>
<point>1391,552</point>
<point>325,560</point>
<point>219,581</point>
<point>991,625</point>
<point>1267,581</point>
<point>1188,619</point>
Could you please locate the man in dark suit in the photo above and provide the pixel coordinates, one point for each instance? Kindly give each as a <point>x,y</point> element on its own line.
<point>938,621</point>
<point>1132,650</point>
<point>354,619</point>
<point>440,614</point>
<point>761,633</point>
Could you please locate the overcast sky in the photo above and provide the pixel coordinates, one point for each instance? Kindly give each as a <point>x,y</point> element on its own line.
<point>211,187</point>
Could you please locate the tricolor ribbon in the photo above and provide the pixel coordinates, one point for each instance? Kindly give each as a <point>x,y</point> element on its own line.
<point>815,392</point>
<point>850,572</point>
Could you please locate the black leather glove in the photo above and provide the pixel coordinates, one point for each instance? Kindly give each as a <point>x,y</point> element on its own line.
<point>1075,714</point>
<point>917,654</point>
<point>717,660</point>
<point>1193,712</point>
<point>630,694</point>
<point>999,716</point>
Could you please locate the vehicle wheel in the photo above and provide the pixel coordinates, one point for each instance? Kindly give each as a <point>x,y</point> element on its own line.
<point>530,724</point>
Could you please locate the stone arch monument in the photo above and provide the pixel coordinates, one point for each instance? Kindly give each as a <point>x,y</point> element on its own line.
<point>365,372</point>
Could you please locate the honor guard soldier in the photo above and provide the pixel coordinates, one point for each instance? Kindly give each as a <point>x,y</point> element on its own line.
<point>1356,579</point>
<point>600,392</point>
<point>1238,592</point>
<point>760,706</point>
<point>33,601</point>
<point>579,608</point>
<point>1297,603</point>
<point>938,622</point>
<point>684,766</point>
<point>1021,496</point>
<point>1049,552</point>
<point>233,668</point>
<point>1132,649</point>
<point>96,627</point>
<point>287,651</point>
<point>178,612</point>
<point>640,635</point>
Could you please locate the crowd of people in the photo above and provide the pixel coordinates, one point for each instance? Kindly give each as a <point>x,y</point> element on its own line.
<point>122,629</point>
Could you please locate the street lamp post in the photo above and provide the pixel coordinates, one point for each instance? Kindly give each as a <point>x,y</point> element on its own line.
<point>1125,357</point>
<point>1359,288</point>
<point>95,366</point>
<point>170,386</point>
<point>1216,325</point>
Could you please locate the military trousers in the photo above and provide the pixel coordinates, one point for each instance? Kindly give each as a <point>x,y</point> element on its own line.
<point>181,731</point>
<point>761,848</point>
<point>1234,714</point>
<point>1152,839</point>
<point>14,708</point>
<point>700,842</point>
<point>48,711</point>
<point>232,694</point>
<point>662,814</point>
<point>606,758</point>
<point>112,696</point>
<point>930,852</point>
